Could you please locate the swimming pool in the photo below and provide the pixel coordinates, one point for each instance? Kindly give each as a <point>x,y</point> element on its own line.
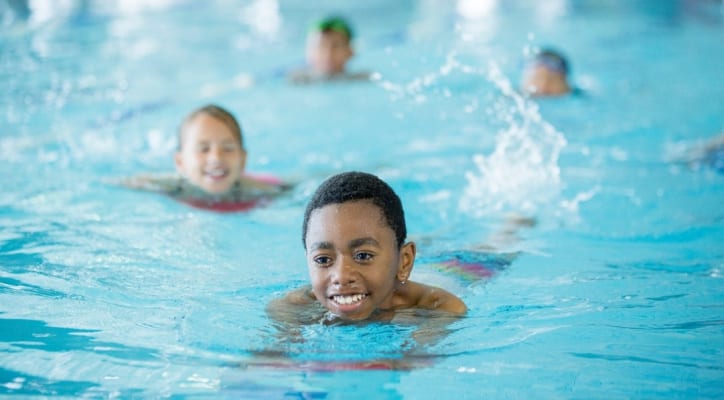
<point>616,293</point>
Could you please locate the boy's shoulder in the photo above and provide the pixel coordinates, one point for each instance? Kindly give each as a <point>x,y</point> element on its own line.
<point>429,297</point>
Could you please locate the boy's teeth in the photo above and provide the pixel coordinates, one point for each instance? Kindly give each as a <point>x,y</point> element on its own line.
<point>348,299</point>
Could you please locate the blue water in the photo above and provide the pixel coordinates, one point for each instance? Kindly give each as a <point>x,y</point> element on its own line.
<point>615,293</point>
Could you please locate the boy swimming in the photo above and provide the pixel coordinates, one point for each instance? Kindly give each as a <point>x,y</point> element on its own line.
<point>546,74</point>
<point>329,49</point>
<point>210,161</point>
<point>359,264</point>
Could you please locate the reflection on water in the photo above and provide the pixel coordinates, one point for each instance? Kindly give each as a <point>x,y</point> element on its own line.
<point>32,334</point>
<point>14,383</point>
<point>171,300</point>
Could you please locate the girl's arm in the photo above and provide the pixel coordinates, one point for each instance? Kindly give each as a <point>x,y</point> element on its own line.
<point>153,183</point>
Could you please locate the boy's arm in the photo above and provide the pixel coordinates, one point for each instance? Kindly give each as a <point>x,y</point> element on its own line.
<point>434,309</point>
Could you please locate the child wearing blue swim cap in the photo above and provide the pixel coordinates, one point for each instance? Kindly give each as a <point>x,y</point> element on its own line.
<point>546,74</point>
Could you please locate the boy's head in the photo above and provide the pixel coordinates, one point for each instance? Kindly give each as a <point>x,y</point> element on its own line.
<point>211,152</point>
<point>329,46</point>
<point>354,186</point>
<point>353,234</point>
<point>546,74</point>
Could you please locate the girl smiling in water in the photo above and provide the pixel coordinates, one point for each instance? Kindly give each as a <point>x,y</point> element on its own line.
<point>211,161</point>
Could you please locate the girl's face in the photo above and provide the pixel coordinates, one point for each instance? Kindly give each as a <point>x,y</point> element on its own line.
<point>354,262</point>
<point>211,157</point>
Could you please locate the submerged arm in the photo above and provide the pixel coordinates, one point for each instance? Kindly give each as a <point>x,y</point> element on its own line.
<point>153,183</point>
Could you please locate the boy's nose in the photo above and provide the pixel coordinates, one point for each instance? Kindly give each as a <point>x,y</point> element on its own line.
<point>343,274</point>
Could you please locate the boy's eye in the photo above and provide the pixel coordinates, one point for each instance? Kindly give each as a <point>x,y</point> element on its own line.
<point>363,256</point>
<point>322,261</point>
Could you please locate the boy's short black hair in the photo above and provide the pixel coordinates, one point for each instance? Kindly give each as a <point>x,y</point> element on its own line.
<point>353,186</point>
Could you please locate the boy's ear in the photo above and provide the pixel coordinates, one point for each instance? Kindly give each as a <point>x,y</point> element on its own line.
<point>407,260</point>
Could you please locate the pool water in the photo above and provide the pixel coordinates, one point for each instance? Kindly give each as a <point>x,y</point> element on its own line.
<point>616,292</point>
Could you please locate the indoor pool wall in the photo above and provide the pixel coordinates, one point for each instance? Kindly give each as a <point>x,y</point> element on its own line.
<point>616,292</point>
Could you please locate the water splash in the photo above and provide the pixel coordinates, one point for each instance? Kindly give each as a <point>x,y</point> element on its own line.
<point>522,173</point>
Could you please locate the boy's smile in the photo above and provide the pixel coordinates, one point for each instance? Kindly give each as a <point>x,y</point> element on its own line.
<point>353,258</point>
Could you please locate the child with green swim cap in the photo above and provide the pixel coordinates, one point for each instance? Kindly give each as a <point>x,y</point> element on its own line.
<point>329,49</point>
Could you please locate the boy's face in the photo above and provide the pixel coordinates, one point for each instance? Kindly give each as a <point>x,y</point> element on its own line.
<point>353,259</point>
<point>210,157</point>
<point>328,52</point>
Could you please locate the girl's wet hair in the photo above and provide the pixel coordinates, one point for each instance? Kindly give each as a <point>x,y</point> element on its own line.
<point>355,186</point>
<point>221,114</point>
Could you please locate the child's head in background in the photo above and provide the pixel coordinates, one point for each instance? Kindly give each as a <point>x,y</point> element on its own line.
<point>546,74</point>
<point>211,152</point>
<point>329,46</point>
